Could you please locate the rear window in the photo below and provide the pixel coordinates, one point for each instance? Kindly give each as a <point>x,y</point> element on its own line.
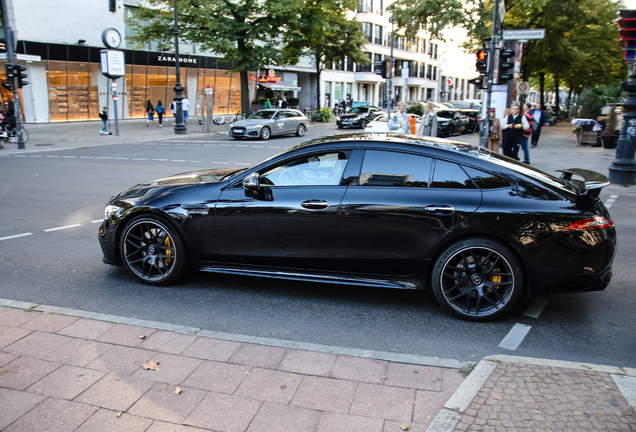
<point>486,180</point>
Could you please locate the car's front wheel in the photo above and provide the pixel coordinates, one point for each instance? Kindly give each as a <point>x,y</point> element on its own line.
<point>265,133</point>
<point>363,124</point>
<point>152,250</point>
<point>301,130</point>
<point>477,279</point>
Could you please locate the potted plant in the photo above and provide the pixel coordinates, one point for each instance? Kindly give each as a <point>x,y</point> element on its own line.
<point>609,139</point>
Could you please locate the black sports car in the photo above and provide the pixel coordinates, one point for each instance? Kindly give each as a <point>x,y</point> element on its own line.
<point>379,210</point>
<point>358,117</point>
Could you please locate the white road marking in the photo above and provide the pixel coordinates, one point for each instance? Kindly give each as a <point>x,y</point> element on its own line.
<point>608,206</point>
<point>15,236</point>
<point>87,157</point>
<point>69,157</point>
<point>160,160</point>
<point>96,220</point>
<point>515,336</point>
<point>198,161</point>
<point>209,145</point>
<point>139,158</point>
<point>536,307</point>
<point>613,196</point>
<point>225,145</point>
<point>101,157</point>
<point>221,163</point>
<point>58,156</point>
<point>36,156</point>
<point>164,144</point>
<point>61,228</point>
<point>240,145</point>
<point>272,147</point>
<point>259,146</point>
<point>150,144</point>
<point>121,158</point>
<point>239,163</point>
<point>610,200</point>
<point>179,144</point>
<point>25,156</point>
<point>178,160</point>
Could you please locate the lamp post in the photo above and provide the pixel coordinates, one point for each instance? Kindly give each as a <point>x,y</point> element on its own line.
<point>179,127</point>
<point>623,169</point>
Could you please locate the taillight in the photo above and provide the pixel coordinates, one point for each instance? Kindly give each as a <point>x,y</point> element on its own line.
<point>593,223</point>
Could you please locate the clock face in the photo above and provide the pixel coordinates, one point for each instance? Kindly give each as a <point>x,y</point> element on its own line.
<point>111,38</point>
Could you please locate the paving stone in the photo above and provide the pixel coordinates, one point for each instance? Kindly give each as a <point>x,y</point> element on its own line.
<point>268,385</point>
<point>108,421</point>
<point>50,323</point>
<point>377,401</point>
<point>123,360</point>
<point>86,329</point>
<point>222,412</point>
<point>429,404</point>
<point>217,377</point>
<point>325,394</point>
<point>17,317</point>
<point>162,403</point>
<point>211,349</point>
<point>178,345</point>
<point>308,362</point>
<point>66,382</point>
<point>124,334</point>
<point>37,344</point>
<point>78,352</point>
<point>115,392</point>
<point>24,371</point>
<point>157,339</point>
<point>360,369</point>
<point>335,422</point>
<point>159,426</point>
<point>9,335</point>
<point>276,417</point>
<point>266,357</point>
<point>394,426</point>
<point>53,415</point>
<point>14,404</point>
<point>6,358</point>
<point>414,376</point>
<point>172,369</point>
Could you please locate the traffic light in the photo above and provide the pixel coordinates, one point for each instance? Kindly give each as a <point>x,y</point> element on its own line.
<point>482,61</point>
<point>9,69</point>
<point>21,75</point>
<point>506,65</point>
<point>377,68</point>
<point>385,67</point>
<point>479,82</point>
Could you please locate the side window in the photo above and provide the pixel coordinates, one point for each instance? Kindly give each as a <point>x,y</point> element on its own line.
<point>323,169</point>
<point>486,180</point>
<point>386,168</point>
<point>450,176</point>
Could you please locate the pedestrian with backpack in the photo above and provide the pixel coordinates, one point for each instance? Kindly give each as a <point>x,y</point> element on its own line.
<point>160,110</point>
<point>151,113</point>
<point>103,115</point>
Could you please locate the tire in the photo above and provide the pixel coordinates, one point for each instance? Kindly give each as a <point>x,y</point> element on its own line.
<point>13,135</point>
<point>340,126</point>
<point>301,130</point>
<point>477,279</point>
<point>152,250</point>
<point>238,138</point>
<point>451,131</point>
<point>265,133</point>
<point>363,124</point>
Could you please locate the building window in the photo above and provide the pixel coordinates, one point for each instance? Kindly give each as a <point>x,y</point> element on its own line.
<point>413,65</point>
<point>71,93</point>
<point>423,48</point>
<point>423,70</point>
<point>378,35</point>
<point>429,72</point>
<point>362,6</point>
<point>367,67</point>
<point>434,76</point>
<point>367,29</point>
<point>350,66</point>
<point>435,54</point>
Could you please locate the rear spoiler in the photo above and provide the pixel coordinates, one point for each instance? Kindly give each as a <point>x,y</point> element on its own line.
<point>591,185</point>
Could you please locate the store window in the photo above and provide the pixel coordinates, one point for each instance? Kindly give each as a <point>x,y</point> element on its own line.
<point>58,91</point>
<point>136,84</point>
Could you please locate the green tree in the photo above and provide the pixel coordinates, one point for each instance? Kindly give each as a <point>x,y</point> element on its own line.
<point>321,30</point>
<point>246,32</point>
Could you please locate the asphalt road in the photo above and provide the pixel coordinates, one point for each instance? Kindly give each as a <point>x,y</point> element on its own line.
<point>58,197</point>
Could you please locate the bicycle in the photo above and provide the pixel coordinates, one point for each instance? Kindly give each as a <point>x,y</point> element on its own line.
<point>12,135</point>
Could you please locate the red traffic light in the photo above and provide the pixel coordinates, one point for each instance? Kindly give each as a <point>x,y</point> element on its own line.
<point>482,55</point>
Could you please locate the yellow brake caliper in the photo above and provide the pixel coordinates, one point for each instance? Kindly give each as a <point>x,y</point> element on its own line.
<point>168,244</point>
<point>496,278</point>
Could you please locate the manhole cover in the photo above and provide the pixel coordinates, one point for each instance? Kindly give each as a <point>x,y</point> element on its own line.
<point>43,145</point>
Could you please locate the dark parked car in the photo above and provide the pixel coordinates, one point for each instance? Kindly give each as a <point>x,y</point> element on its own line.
<point>377,210</point>
<point>451,121</point>
<point>358,116</point>
<point>473,119</point>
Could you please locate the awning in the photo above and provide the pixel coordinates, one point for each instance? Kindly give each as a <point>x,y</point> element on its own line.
<point>280,87</point>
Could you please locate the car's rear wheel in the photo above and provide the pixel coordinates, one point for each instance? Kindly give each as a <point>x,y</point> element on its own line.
<point>301,130</point>
<point>152,250</point>
<point>265,133</point>
<point>477,279</point>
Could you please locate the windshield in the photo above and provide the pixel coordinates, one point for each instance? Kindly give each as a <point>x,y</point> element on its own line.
<point>359,110</point>
<point>263,114</point>
<point>448,114</point>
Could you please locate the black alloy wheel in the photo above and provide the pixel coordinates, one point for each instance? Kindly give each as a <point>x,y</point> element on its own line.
<point>301,130</point>
<point>477,279</point>
<point>152,251</point>
<point>451,130</point>
<point>265,133</point>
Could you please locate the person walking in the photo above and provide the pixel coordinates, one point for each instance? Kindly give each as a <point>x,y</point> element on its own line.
<point>185,105</point>
<point>103,115</point>
<point>495,136</point>
<point>150,110</point>
<point>268,104</point>
<point>515,124</point>
<point>173,110</point>
<point>428,127</point>
<point>160,110</point>
<point>540,118</point>
<point>527,132</point>
<point>283,103</point>
<point>404,123</point>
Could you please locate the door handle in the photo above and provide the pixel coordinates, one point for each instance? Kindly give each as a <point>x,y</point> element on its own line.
<point>446,209</point>
<point>315,204</point>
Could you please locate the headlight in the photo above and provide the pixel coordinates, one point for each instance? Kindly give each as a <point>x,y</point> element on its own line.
<point>444,123</point>
<point>252,126</point>
<point>231,125</point>
<point>110,210</point>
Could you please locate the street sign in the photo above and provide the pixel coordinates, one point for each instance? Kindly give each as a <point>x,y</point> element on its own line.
<point>523,88</point>
<point>523,34</point>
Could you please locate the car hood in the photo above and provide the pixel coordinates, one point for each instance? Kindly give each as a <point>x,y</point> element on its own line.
<point>443,119</point>
<point>352,116</point>
<point>250,122</point>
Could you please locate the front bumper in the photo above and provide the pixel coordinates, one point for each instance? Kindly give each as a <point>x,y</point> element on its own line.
<point>243,132</point>
<point>108,243</point>
<point>357,122</point>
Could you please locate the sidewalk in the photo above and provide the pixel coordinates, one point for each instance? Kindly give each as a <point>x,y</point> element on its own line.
<point>69,370</point>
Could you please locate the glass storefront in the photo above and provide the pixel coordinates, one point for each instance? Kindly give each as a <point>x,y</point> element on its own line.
<point>72,93</point>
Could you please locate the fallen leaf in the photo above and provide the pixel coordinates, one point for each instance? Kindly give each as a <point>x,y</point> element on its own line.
<point>406,403</point>
<point>247,372</point>
<point>405,427</point>
<point>154,365</point>
<point>119,414</point>
<point>429,417</point>
<point>282,386</point>
<point>178,390</point>
<point>142,337</point>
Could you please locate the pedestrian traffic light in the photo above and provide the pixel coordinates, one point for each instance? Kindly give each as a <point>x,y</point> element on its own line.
<point>479,82</point>
<point>482,61</point>
<point>9,69</point>
<point>506,66</point>
<point>21,75</point>
<point>377,68</point>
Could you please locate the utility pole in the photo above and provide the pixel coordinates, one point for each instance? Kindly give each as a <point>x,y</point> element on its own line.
<point>389,105</point>
<point>179,127</point>
<point>9,43</point>
<point>484,130</point>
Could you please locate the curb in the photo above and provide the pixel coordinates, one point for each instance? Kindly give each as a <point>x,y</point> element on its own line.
<point>449,416</point>
<point>257,340</point>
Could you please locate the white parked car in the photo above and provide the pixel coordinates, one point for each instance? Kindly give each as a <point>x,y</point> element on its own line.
<point>380,124</point>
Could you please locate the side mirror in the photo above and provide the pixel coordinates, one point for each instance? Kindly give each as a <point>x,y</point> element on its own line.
<point>251,184</point>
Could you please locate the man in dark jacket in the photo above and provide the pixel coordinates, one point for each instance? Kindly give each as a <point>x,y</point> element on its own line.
<point>540,118</point>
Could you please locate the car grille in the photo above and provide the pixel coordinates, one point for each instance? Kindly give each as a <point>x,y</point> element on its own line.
<point>238,131</point>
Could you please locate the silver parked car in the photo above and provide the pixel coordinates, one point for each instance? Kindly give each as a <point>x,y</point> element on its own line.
<point>269,122</point>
